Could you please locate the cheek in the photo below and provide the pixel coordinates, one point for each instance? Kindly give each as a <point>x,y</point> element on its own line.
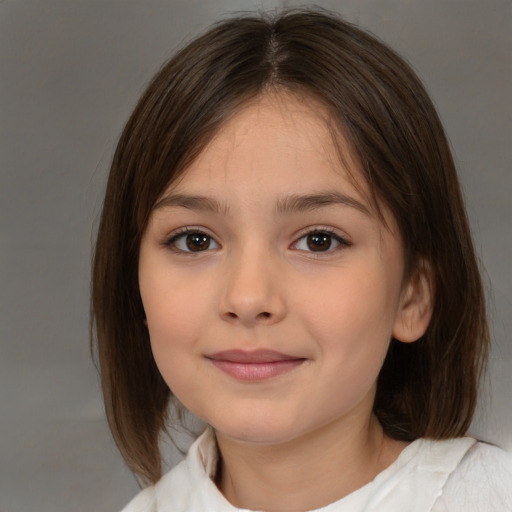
<point>173,331</point>
<point>352,324</point>
<point>354,307</point>
<point>174,310</point>
<point>173,304</point>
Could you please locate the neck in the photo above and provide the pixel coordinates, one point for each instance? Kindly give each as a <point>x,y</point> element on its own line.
<point>306,473</point>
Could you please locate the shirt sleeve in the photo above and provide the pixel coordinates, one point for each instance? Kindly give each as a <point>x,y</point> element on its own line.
<point>482,482</point>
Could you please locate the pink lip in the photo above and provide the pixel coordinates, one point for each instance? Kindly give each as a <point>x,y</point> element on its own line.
<point>255,365</point>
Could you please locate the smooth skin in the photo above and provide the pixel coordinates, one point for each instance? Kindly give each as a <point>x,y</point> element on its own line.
<point>266,242</point>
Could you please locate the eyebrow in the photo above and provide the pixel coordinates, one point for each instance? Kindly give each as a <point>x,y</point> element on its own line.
<point>292,203</point>
<point>193,202</point>
<point>303,203</point>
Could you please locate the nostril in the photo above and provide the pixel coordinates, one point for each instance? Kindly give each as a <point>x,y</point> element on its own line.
<point>261,317</point>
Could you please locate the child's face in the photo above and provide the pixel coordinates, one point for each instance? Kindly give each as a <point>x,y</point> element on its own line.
<point>270,317</point>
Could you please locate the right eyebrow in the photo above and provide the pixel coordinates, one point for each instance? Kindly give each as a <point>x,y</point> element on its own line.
<point>193,202</point>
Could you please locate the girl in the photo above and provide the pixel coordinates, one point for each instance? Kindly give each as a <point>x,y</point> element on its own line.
<point>284,250</point>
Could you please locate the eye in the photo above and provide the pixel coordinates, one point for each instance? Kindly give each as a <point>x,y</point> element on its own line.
<point>192,241</point>
<point>320,241</point>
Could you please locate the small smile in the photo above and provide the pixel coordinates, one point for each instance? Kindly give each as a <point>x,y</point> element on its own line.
<point>254,365</point>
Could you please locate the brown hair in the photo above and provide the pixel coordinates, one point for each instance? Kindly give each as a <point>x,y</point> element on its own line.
<point>427,388</point>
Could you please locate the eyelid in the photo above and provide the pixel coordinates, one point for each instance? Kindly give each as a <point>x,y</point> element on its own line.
<point>183,231</point>
<point>343,241</point>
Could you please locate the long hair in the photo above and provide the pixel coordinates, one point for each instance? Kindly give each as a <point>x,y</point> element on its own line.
<point>427,388</point>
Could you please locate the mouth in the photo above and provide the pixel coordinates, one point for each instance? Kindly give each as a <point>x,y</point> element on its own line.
<point>254,365</point>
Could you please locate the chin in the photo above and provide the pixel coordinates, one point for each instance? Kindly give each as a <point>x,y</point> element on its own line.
<point>264,431</point>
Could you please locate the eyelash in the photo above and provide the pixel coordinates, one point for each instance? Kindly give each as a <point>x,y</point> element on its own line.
<point>183,232</point>
<point>342,242</point>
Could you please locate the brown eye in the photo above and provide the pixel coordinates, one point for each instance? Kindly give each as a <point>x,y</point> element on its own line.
<point>319,241</point>
<point>197,242</point>
<point>192,241</point>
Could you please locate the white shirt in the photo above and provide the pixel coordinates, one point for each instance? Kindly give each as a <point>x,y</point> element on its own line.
<point>457,475</point>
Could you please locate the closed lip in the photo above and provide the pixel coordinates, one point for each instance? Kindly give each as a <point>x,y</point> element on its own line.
<point>255,365</point>
<point>252,357</point>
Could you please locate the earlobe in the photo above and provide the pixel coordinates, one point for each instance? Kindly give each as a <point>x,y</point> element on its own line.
<point>416,306</point>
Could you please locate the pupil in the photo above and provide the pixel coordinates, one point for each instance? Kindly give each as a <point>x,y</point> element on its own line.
<point>319,241</point>
<point>198,242</point>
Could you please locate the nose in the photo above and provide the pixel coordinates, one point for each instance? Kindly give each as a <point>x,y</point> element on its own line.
<point>253,293</point>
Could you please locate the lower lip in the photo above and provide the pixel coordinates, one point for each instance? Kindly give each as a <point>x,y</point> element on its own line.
<point>257,371</point>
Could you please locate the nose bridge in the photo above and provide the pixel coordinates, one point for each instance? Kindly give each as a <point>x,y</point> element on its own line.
<point>252,291</point>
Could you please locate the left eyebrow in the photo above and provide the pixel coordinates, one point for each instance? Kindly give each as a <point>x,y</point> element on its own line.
<point>301,203</point>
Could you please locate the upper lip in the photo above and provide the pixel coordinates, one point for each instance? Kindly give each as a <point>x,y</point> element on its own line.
<point>253,356</point>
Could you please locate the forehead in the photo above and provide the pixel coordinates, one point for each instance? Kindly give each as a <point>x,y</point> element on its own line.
<point>281,139</point>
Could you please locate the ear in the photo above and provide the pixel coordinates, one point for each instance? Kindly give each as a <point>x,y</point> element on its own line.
<point>416,305</point>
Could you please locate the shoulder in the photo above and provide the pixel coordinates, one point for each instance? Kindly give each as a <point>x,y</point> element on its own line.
<point>172,489</point>
<point>187,486</point>
<point>482,481</point>
<point>175,489</point>
<point>452,475</point>
<point>143,502</point>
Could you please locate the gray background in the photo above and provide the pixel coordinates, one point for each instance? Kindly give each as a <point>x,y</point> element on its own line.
<point>70,72</point>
